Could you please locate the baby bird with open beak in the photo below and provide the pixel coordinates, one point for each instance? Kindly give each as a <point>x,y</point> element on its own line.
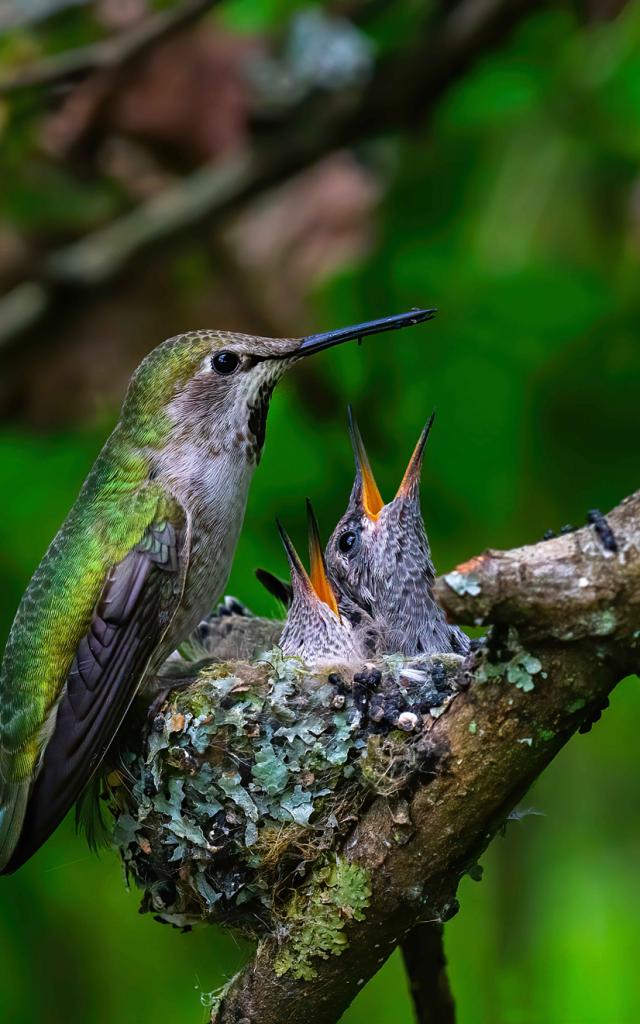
<point>320,628</point>
<point>379,557</point>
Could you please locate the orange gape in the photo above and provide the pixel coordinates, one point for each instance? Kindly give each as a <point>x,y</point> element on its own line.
<point>319,579</point>
<point>372,502</point>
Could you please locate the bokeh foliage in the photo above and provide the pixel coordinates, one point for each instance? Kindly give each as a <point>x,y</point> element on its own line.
<point>516,210</point>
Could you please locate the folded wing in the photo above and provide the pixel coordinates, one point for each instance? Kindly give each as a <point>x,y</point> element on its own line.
<point>136,606</point>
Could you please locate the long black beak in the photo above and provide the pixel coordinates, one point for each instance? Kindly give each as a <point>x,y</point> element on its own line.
<point>316,342</point>
<point>411,478</point>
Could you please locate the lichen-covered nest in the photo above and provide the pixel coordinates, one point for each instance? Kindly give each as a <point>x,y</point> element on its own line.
<point>252,772</point>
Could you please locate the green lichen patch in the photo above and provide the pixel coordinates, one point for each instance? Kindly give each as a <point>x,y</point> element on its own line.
<point>252,774</point>
<point>464,583</point>
<point>604,623</point>
<point>576,705</point>
<point>546,735</point>
<point>518,668</point>
<point>212,1001</point>
<point>316,917</point>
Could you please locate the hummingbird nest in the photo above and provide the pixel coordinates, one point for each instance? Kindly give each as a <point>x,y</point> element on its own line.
<point>254,771</point>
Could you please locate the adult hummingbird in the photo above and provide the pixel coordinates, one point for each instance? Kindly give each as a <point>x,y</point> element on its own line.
<point>379,556</point>
<point>143,554</point>
<point>317,629</point>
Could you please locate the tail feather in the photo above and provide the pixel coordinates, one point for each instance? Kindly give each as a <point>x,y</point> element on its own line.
<point>14,797</point>
<point>89,815</point>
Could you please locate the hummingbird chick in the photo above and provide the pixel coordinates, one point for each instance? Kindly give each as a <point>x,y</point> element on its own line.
<point>142,557</point>
<point>317,629</point>
<point>231,633</point>
<point>379,556</point>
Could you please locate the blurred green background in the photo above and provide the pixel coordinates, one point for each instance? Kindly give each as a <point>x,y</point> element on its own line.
<point>514,206</point>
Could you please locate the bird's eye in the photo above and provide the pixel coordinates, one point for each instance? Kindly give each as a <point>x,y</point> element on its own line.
<point>225,363</point>
<point>348,541</point>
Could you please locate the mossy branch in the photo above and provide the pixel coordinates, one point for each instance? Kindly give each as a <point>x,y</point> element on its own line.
<point>328,813</point>
<point>519,705</point>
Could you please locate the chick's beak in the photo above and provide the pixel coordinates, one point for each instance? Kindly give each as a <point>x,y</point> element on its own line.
<point>371,498</point>
<point>299,576</point>
<point>411,478</point>
<point>317,342</point>
<point>319,577</point>
<point>317,586</point>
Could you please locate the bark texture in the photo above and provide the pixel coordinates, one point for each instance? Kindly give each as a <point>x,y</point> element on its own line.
<point>426,966</point>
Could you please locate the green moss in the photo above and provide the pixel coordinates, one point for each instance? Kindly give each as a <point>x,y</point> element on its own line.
<point>546,735</point>
<point>576,705</point>
<point>318,914</point>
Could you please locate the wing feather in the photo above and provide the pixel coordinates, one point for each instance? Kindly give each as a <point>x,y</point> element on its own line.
<point>135,608</point>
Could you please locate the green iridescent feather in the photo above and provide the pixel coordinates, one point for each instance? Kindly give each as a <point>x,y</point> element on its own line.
<point>113,510</point>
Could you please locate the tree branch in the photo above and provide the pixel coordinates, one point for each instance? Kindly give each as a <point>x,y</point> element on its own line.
<point>107,54</point>
<point>579,585</point>
<point>521,705</point>
<point>426,966</point>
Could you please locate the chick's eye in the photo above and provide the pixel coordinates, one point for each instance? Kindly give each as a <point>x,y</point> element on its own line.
<point>225,363</point>
<point>348,541</point>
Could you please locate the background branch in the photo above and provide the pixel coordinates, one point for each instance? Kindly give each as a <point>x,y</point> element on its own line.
<point>116,52</point>
<point>402,92</point>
